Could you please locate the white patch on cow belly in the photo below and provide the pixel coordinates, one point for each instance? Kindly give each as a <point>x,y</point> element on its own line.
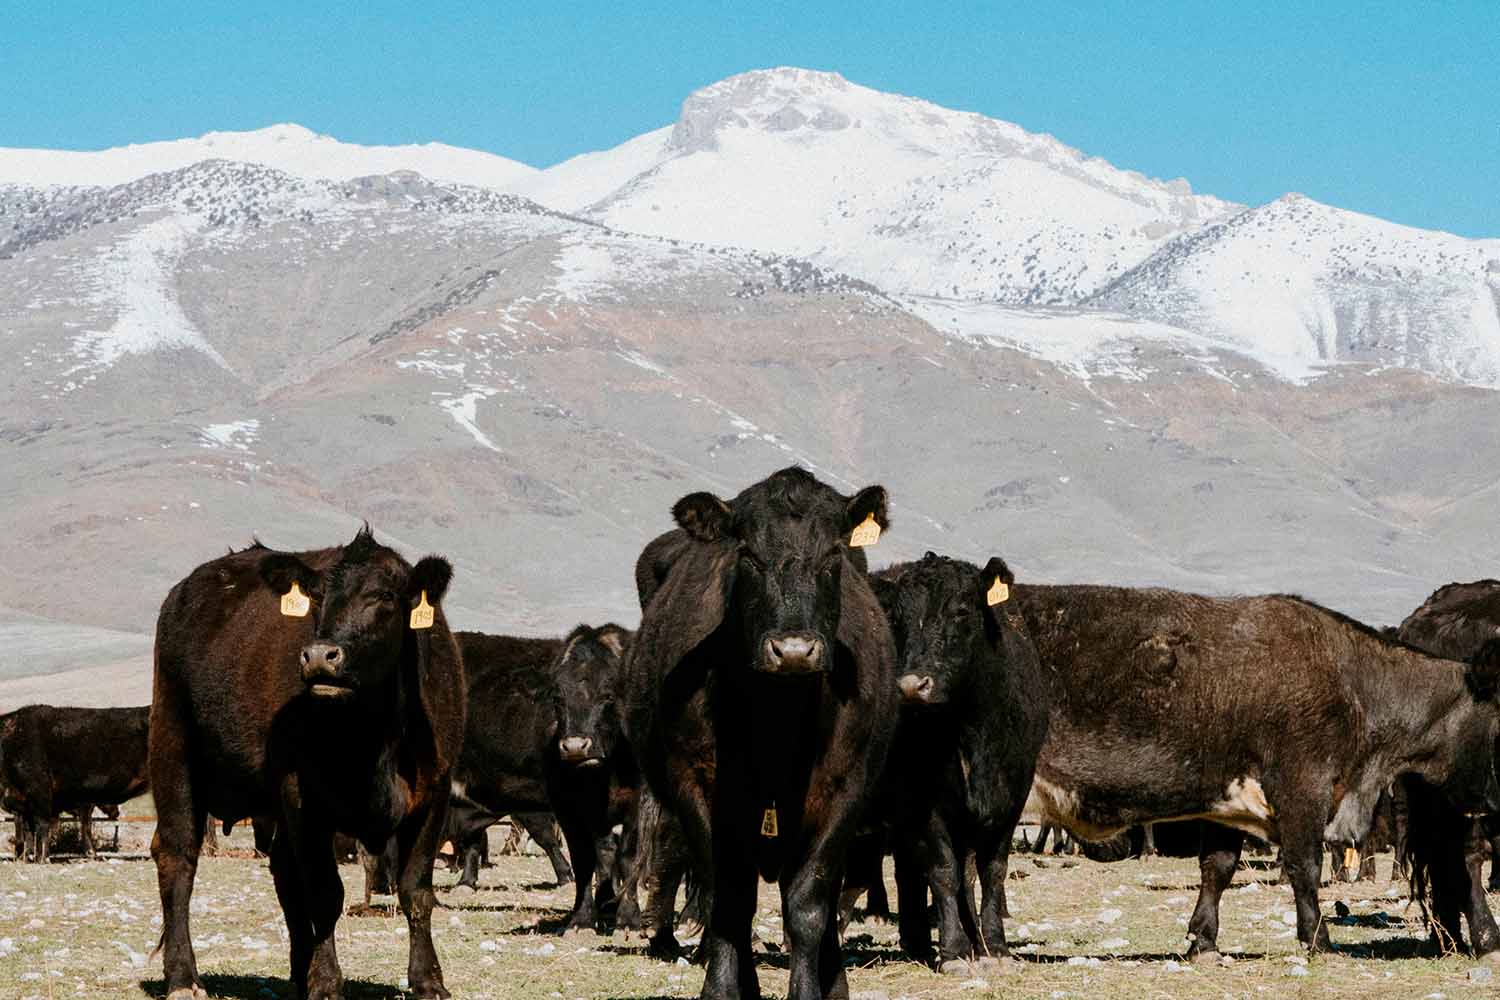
<point>1049,803</point>
<point>459,790</point>
<point>1244,807</point>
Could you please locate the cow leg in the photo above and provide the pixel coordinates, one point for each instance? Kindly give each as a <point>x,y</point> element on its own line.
<point>1218,857</point>
<point>992,857</point>
<point>316,869</point>
<point>956,930</point>
<point>543,829</point>
<point>585,854</point>
<point>179,832</point>
<point>1484,936</point>
<point>1302,862</point>
<point>726,940</point>
<point>43,827</point>
<point>628,909</point>
<point>911,897</point>
<point>417,841</point>
<point>807,904</point>
<point>287,879</point>
<point>470,876</point>
<point>1148,848</point>
<point>210,838</point>
<point>86,833</point>
<point>1491,828</point>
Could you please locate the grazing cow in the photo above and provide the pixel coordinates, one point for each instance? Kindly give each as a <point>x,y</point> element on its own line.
<point>1269,715</point>
<point>323,689</point>
<point>761,700</point>
<point>972,721</point>
<point>56,759</point>
<point>544,736</point>
<point>1458,621</point>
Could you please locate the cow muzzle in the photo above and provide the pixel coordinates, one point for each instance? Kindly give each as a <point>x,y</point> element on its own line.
<point>793,654</point>
<point>578,750</point>
<point>323,670</point>
<point>915,689</point>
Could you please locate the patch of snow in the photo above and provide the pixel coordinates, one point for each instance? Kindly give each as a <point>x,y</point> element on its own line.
<point>465,412</point>
<point>239,435</point>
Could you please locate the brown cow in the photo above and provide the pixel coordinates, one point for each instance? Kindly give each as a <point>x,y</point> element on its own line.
<point>347,718</point>
<point>1269,715</point>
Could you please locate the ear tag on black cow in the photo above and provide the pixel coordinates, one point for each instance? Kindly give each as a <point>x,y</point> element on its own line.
<point>421,615</point>
<point>294,603</point>
<point>768,823</point>
<point>997,594</point>
<point>866,533</point>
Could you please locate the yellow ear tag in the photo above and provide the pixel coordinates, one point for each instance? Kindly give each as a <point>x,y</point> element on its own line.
<point>421,615</point>
<point>866,533</point>
<point>997,593</point>
<point>294,603</point>
<point>768,823</point>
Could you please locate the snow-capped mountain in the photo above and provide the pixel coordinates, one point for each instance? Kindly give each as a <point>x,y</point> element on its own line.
<point>288,148</point>
<point>1304,285</point>
<point>903,193</point>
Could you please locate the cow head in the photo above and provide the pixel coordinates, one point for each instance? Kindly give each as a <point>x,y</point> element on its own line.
<point>588,722</point>
<point>938,609</point>
<point>361,609</point>
<point>791,540</point>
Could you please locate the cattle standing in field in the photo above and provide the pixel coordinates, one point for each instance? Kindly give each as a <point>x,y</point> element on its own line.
<point>56,759</point>
<point>343,714</point>
<point>1459,621</point>
<point>972,721</point>
<point>1269,715</point>
<point>544,735</point>
<point>761,700</point>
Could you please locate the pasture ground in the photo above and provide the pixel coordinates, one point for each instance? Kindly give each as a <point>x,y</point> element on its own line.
<point>1081,929</point>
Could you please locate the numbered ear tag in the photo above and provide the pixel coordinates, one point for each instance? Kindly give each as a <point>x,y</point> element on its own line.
<point>768,823</point>
<point>421,615</point>
<point>997,594</point>
<point>866,533</point>
<point>294,603</point>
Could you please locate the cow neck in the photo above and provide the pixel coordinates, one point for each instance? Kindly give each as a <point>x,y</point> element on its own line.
<point>785,722</point>
<point>1414,706</point>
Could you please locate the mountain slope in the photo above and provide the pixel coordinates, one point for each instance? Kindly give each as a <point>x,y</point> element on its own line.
<point>288,148</point>
<point>1305,284</point>
<point>900,192</point>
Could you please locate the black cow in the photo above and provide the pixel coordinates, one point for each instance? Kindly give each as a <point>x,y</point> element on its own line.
<point>56,759</point>
<point>323,689</point>
<point>544,736</point>
<point>761,703</point>
<point>1267,714</point>
<point>467,826</point>
<point>973,718</point>
<point>1458,621</point>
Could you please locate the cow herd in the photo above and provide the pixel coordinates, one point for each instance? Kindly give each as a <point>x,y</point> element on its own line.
<point>782,713</point>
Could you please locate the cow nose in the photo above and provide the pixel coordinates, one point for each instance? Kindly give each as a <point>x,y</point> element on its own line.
<point>914,688</point>
<point>321,658</point>
<point>575,746</point>
<point>794,654</point>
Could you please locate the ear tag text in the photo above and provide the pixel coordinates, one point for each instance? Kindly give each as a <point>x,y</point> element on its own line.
<point>997,594</point>
<point>867,532</point>
<point>768,823</point>
<point>421,615</point>
<point>294,603</point>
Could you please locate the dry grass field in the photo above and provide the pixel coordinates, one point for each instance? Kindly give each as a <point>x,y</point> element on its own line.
<point>1081,929</point>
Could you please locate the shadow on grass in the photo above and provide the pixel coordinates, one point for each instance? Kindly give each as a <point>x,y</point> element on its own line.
<point>254,987</point>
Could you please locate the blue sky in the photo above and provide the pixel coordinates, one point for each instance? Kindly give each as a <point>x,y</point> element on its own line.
<point>1384,108</point>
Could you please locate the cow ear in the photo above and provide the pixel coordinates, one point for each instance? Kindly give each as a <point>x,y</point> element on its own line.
<point>280,570</point>
<point>703,516</point>
<point>613,638</point>
<point>868,504</point>
<point>1484,670</point>
<point>431,574</point>
<point>994,590</point>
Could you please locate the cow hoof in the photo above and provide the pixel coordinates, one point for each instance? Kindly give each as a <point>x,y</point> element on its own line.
<point>1204,958</point>
<point>955,967</point>
<point>430,991</point>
